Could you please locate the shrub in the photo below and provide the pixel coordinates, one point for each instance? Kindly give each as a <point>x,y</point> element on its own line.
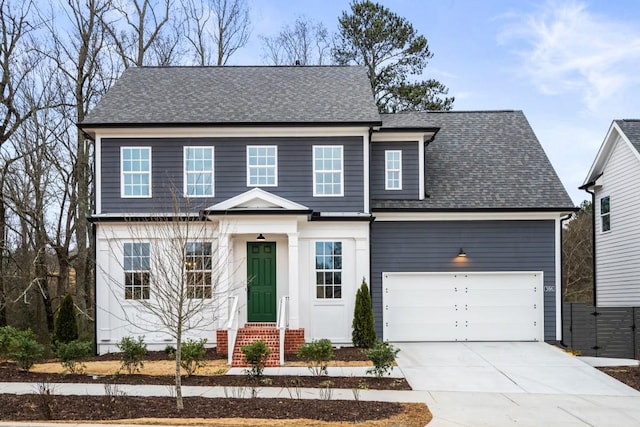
<point>71,353</point>
<point>382,355</point>
<point>66,326</point>
<point>192,354</point>
<point>363,334</point>
<point>133,353</point>
<point>256,354</point>
<point>316,354</point>
<point>7,335</point>
<point>25,350</point>
<point>170,351</point>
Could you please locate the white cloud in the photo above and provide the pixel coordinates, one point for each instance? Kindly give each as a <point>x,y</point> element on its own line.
<point>565,48</point>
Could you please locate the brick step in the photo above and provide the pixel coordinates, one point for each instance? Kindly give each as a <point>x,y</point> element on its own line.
<point>257,332</point>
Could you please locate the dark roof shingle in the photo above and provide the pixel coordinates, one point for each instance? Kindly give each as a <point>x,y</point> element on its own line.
<point>237,95</point>
<point>482,160</point>
<point>631,128</point>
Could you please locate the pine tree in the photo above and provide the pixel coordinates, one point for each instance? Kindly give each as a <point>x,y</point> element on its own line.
<point>66,326</point>
<point>363,334</point>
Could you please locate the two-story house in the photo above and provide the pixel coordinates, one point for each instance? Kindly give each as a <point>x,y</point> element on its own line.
<point>304,189</point>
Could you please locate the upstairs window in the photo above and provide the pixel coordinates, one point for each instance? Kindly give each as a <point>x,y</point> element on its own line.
<point>262,166</point>
<point>605,213</point>
<point>328,270</point>
<point>198,264</point>
<point>328,167</point>
<point>135,166</point>
<point>198,171</point>
<point>393,169</point>
<point>137,270</point>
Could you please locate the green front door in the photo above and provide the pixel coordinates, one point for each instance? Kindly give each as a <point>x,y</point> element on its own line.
<point>261,279</point>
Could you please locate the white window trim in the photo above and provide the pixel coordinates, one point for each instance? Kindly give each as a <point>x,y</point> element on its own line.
<point>607,214</point>
<point>327,301</point>
<point>133,301</point>
<point>122,173</point>
<point>187,271</point>
<point>275,184</point>
<point>313,167</point>
<point>185,172</point>
<point>387,170</point>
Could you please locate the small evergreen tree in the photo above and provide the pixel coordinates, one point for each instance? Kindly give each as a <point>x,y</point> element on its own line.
<point>66,326</point>
<point>363,334</point>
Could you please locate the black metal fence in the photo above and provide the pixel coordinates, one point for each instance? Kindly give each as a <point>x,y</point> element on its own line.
<point>602,331</point>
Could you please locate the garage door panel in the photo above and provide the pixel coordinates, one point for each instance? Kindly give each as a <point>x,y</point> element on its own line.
<point>462,306</point>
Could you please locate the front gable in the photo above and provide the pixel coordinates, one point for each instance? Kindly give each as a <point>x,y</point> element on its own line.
<point>257,200</point>
<point>615,136</point>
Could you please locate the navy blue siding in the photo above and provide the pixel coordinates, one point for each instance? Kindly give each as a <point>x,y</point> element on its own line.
<point>410,174</point>
<point>295,173</point>
<point>432,246</point>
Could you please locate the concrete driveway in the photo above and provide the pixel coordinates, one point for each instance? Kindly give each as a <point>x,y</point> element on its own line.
<point>514,383</point>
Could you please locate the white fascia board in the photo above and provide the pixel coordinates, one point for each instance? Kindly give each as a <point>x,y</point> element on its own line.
<point>229,131</point>
<point>397,136</point>
<point>466,216</point>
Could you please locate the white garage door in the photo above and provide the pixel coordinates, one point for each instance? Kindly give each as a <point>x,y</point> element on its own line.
<point>463,306</point>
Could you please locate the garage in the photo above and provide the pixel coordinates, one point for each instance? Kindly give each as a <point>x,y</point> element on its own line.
<point>483,306</point>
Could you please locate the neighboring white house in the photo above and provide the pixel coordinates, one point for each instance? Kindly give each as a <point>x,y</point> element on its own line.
<point>614,181</point>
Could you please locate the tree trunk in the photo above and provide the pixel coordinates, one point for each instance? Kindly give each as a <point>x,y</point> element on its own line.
<point>179,401</point>
<point>3,245</point>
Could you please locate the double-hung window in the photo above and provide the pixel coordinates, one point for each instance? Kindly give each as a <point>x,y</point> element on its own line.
<point>605,213</point>
<point>137,270</point>
<point>135,167</point>
<point>198,171</point>
<point>262,166</point>
<point>198,264</point>
<point>328,270</point>
<point>328,170</point>
<point>393,169</point>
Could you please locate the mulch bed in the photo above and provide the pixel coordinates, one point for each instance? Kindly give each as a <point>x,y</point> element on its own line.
<point>48,407</point>
<point>630,375</point>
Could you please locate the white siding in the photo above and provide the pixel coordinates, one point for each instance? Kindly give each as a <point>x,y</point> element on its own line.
<point>618,250</point>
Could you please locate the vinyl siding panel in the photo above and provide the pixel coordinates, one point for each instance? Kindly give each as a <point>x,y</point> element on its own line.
<point>410,171</point>
<point>295,173</point>
<point>432,246</point>
<point>617,250</point>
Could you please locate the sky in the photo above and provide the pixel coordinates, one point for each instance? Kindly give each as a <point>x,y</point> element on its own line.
<point>571,66</point>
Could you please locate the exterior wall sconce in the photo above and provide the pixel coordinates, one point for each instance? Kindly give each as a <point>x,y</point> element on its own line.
<point>462,253</point>
<point>260,237</point>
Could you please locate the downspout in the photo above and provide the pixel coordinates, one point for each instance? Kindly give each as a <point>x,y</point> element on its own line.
<point>95,290</point>
<point>586,188</point>
<point>562,220</point>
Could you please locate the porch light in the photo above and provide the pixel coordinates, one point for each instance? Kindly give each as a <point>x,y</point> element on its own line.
<point>260,237</point>
<point>462,253</point>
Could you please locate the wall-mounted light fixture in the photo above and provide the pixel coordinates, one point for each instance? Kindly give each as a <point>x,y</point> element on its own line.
<point>260,237</point>
<point>462,253</point>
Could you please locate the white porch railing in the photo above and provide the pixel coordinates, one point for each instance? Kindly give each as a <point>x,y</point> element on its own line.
<point>232,327</point>
<point>283,323</point>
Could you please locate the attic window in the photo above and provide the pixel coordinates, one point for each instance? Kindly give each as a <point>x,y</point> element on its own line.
<point>605,213</point>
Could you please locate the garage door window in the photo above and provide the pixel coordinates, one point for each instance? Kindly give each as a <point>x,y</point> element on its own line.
<point>328,270</point>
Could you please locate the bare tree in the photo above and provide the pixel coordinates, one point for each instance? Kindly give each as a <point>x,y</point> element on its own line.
<point>172,270</point>
<point>577,257</point>
<point>305,43</point>
<point>216,29</point>
<point>140,33</point>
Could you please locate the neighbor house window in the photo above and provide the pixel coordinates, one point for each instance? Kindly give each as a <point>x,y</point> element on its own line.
<point>198,171</point>
<point>135,165</point>
<point>328,168</point>
<point>198,264</point>
<point>328,270</point>
<point>605,213</point>
<point>137,269</point>
<point>262,165</point>
<point>393,169</point>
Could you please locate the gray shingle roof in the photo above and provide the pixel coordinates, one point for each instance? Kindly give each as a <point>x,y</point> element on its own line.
<point>482,160</point>
<point>631,128</point>
<point>237,95</point>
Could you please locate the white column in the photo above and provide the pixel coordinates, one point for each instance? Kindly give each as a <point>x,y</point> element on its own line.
<point>294,282</point>
<point>223,289</point>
